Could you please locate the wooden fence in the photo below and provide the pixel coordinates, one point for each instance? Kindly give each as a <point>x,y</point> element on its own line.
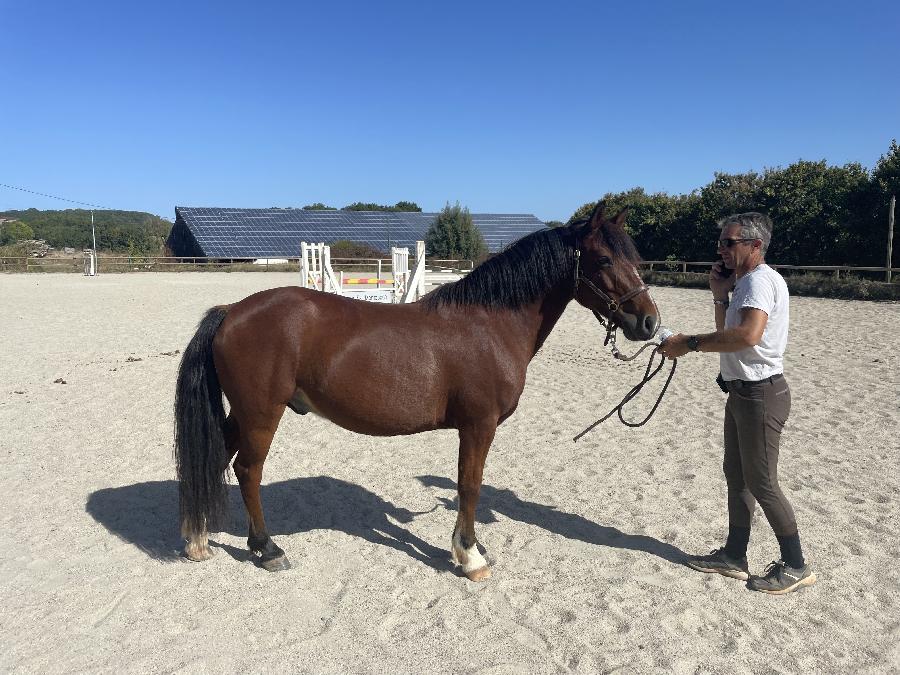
<point>687,266</point>
<point>116,264</point>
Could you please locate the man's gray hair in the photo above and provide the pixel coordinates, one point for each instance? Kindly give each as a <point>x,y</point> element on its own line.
<point>753,226</point>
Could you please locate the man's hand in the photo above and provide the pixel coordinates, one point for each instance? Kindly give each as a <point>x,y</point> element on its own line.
<point>675,346</point>
<point>721,280</point>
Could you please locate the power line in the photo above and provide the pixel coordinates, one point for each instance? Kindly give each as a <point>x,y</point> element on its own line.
<point>62,199</point>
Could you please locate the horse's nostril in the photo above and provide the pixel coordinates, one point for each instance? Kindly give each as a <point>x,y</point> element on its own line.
<point>650,323</point>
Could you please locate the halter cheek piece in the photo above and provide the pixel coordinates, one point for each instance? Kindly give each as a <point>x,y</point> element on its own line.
<point>612,306</point>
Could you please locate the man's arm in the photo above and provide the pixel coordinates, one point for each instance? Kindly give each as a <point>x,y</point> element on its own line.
<point>720,315</point>
<point>746,334</point>
<point>721,283</point>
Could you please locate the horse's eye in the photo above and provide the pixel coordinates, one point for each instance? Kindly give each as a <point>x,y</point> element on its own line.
<point>604,262</point>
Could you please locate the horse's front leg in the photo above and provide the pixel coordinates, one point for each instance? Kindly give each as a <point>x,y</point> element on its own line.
<point>474,443</point>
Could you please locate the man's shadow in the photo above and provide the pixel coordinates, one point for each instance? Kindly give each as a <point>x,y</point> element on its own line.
<point>146,515</point>
<point>568,525</point>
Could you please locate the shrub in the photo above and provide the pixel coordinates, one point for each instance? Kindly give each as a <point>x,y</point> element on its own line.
<point>454,236</point>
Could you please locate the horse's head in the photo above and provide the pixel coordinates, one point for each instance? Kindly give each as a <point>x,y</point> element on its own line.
<point>606,275</point>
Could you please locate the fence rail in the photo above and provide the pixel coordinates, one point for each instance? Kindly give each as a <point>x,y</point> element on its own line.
<point>686,266</point>
<point>165,264</point>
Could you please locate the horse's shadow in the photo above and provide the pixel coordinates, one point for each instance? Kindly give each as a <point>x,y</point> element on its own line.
<point>568,525</point>
<point>146,515</point>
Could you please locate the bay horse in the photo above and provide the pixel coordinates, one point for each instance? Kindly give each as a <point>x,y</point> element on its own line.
<point>456,359</point>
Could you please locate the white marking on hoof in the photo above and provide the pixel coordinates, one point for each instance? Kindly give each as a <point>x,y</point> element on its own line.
<point>197,549</point>
<point>473,564</point>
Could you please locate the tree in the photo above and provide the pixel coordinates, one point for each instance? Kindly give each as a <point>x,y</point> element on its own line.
<point>660,224</point>
<point>399,206</point>
<point>14,231</point>
<point>815,209</point>
<point>582,212</point>
<point>454,236</point>
<point>345,248</point>
<point>823,215</point>
<point>885,183</point>
<point>887,171</point>
<point>318,206</point>
<point>120,231</point>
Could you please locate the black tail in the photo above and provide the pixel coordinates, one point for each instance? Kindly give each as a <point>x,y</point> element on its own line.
<point>200,455</point>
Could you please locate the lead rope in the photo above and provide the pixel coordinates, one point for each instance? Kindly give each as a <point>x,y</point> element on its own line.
<point>636,388</point>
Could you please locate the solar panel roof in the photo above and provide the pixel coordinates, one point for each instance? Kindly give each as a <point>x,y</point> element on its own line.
<point>277,233</point>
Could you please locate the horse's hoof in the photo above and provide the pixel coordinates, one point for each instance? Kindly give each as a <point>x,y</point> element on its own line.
<point>275,564</point>
<point>198,553</point>
<point>481,574</point>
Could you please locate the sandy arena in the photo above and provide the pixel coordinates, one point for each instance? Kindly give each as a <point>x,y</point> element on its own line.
<point>585,538</point>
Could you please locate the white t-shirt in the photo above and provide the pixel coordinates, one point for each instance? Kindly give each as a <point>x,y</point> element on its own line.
<point>764,289</point>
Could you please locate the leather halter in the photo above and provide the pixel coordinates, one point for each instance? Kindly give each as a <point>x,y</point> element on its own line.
<point>611,304</point>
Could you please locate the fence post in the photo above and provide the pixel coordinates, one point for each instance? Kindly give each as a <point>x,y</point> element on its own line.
<point>890,246</point>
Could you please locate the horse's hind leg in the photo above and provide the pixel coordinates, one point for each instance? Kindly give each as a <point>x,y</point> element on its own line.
<point>474,443</point>
<point>197,547</point>
<point>254,439</point>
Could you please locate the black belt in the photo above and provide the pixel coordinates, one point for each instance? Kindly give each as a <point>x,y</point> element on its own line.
<point>749,383</point>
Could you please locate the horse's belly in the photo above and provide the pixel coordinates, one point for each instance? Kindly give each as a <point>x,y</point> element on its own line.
<point>375,413</point>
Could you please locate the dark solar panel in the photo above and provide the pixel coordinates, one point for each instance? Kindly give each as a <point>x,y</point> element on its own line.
<point>277,233</point>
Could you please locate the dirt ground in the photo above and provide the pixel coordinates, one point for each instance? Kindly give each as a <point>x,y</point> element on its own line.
<point>586,539</point>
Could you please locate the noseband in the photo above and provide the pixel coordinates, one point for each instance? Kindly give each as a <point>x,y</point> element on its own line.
<point>612,305</point>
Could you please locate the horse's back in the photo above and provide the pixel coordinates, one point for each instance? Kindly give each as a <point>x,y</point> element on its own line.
<point>372,368</point>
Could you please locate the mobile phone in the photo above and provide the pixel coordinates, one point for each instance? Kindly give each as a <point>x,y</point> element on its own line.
<point>723,272</point>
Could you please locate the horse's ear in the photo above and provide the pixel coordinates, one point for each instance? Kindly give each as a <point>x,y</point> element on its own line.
<point>620,219</point>
<point>597,213</point>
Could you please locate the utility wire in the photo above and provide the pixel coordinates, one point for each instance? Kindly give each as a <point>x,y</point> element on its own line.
<point>63,199</point>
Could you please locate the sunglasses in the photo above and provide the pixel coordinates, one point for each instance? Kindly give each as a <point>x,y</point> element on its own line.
<point>728,243</point>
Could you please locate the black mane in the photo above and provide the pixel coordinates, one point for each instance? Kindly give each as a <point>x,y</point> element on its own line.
<point>528,268</point>
<point>523,272</point>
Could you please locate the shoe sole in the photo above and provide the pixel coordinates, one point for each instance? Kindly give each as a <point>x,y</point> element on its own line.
<point>732,574</point>
<point>805,581</point>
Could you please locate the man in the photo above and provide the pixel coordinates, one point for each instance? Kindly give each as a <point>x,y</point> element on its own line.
<point>751,336</point>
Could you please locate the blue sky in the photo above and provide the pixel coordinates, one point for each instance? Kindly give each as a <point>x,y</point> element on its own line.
<point>509,107</point>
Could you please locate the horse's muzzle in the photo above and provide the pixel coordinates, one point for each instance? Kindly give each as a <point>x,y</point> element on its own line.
<point>637,327</point>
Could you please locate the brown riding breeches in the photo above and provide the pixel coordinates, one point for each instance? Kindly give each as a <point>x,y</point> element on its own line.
<point>754,417</point>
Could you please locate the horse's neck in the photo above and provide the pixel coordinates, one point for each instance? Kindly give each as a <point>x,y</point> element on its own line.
<point>541,316</point>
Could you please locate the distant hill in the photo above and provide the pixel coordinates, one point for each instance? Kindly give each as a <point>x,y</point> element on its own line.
<point>130,232</point>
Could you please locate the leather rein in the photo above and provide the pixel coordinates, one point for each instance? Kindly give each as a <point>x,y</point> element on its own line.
<point>611,326</point>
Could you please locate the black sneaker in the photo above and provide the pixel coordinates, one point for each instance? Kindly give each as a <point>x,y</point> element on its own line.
<point>719,562</point>
<point>779,579</point>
